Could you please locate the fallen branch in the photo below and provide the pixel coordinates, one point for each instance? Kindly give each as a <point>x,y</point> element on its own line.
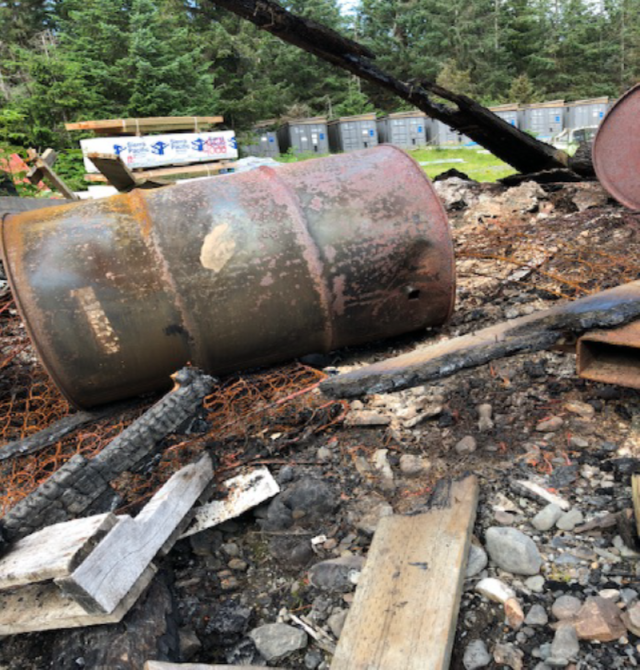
<point>522,151</point>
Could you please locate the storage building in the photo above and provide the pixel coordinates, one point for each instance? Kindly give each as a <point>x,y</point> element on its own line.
<point>507,112</point>
<point>441,135</point>
<point>582,113</point>
<point>305,136</point>
<point>544,119</point>
<point>264,141</point>
<point>350,133</point>
<point>407,130</point>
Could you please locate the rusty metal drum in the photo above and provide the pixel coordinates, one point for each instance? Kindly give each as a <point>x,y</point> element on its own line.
<point>230,272</point>
<point>616,150</point>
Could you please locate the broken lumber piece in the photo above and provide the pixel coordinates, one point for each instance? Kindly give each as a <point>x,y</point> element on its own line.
<point>119,175</point>
<point>243,492</point>
<point>43,170</point>
<point>146,124</point>
<point>105,577</point>
<point>406,603</point>
<point>535,332</point>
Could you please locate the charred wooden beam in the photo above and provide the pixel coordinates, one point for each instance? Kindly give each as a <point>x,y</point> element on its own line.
<point>73,490</point>
<point>538,331</point>
<point>523,152</point>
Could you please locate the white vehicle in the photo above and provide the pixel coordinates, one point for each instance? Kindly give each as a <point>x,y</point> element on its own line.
<point>569,139</point>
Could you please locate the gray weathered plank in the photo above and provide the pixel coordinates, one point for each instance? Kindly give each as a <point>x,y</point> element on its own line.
<point>44,607</point>
<point>107,574</point>
<point>54,551</point>
<point>406,604</point>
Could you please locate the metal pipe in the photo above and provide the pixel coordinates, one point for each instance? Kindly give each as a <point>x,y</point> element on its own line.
<point>611,356</point>
<point>230,272</point>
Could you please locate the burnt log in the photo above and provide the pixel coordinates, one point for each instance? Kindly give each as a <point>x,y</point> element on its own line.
<point>520,150</point>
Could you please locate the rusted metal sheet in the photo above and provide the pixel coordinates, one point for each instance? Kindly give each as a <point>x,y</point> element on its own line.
<point>535,332</point>
<point>616,150</point>
<point>611,356</point>
<point>230,272</point>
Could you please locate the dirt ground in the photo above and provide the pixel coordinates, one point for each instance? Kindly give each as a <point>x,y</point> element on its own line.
<point>518,250</point>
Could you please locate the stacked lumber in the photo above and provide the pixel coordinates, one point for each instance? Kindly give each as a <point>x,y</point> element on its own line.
<point>150,124</point>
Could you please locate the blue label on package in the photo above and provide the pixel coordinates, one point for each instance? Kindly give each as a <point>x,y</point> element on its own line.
<point>321,136</point>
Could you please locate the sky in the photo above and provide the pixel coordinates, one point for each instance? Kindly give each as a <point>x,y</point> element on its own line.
<point>347,5</point>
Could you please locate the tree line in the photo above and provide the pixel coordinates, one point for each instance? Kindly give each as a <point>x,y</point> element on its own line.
<point>67,60</point>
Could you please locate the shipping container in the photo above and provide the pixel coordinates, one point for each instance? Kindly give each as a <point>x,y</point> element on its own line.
<point>304,136</point>
<point>508,113</point>
<point>407,130</point>
<point>584,113</point>
<point>441,135</point>
<point>264,140</point>
<point>352,133</point>
<point>544,119</point>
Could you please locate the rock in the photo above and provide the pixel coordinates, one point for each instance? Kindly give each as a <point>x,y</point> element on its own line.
<point>546,518</point>
<point>536,616</point>
<point>631,619</point>
<point>509,655</point>
<point>569,520</point>
<point>383,468</point>
<point>305,502</point>
<point>412,465</point>
<point>513,551</point>
<point>535,584</point>
<point>582,409</point>
<point>467,445</point>
<point>278,640</point>
<point>504,518</point>
<point>226,623</point>
<point>372,510</point>
<point>237,564</point>
<point>610,594</point>
<point>455,193</point>
<point>485,422</point>
<point>367,417</point>
<point>599,619</point>
<point>629,596</point>
<point>190,645</point>
<point>589,195</point>
<point>523,198</point>
<point>323,454</point>
<point>550,425</point>
<point>478,560</point>
<point>312,659</point>
<point>336,621</point>
<point>337,575</point>
<point>495,590</point>
<point>577,442</point>
<point>476,655</point>
<point>565,646</point>
<point>566,607</point>
<point>514,614</point>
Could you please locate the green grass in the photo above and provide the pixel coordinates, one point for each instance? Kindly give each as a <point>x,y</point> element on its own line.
<point>479,166</point>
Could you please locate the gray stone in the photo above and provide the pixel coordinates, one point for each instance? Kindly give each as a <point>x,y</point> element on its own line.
<point>412,465</point>
<point>513,551</point>
<point>477,560</point>
<point>565,646</point>
<point>312,659</point>
<point>565,607</point>
<point>189,643</point>
<point>577,442</point>
<point>372,511</point>
<point>336,621</point>
<point>338,575</point>
<point>467,445</point>
<point>535,584</point>
<point>569,520</point>
<point>476,655</point>
<point>550,425</point>
<point>485,422</point>
<point>546,518</point>
<point>278,640</point>
<point>323,455</point>
<point>536,616</point>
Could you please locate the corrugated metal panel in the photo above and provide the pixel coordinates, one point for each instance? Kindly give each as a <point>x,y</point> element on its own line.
<point>407,132</point>
<point>304,137</point>
<point>442,134</point>
<point>545,119</point>
<point>353,133</point>
<point>586,113</point>
<point>266,144</point>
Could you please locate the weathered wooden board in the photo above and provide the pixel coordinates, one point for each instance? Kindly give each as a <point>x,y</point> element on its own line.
<point>202,170</point>
<point>406,604</point>
<point>635,489</point>
<point>44,607</point>
<point>54,551</point>
<point>115,171</point>
<point>244,492</point>
<point>109,572</point>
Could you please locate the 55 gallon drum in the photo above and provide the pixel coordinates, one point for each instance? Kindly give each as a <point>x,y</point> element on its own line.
<point>230,272</point>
